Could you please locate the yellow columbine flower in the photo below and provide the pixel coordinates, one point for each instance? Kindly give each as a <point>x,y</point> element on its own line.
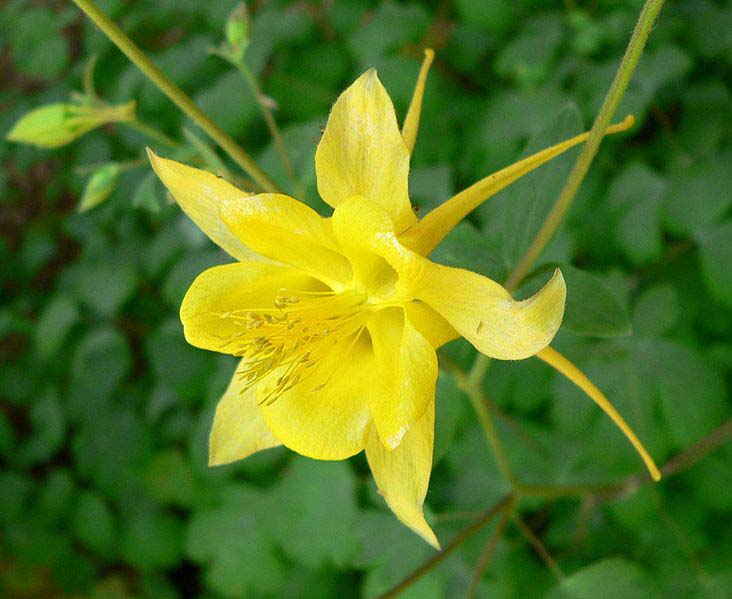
<point>337,320</point>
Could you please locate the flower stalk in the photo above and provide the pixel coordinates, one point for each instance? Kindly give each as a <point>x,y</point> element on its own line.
<point>625,71</point>
<point>176,94</point>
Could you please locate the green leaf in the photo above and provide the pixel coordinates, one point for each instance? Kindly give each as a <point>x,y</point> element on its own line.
<point>146,194</point>
<point>169,479</point>
<point>54,324</point>
<point>449,408</point>
<point>711,480</point>
<point>316,511</point>
<point>430,186</point>
<point>100,185</point>
<point>591,309</point>
<point>389,28</point>
<point>465,247</point>
<point>699,195</point>
<point>656,311</point>
<point>388,551</point>
<point>99,365</point>
<point>715,254</point>
<point>613,578</point>
<point>56,497</point>
<point>175,363</point>
<point>516,214</point>
<point>49,429</point>
<point>635,194</point>
<point>109,447</point>
<point>94,524</point>
<point>15,489</point>
<point>691,391</point>
<point>229,102</point>
<point>519,59</point>
<point>152,539</point>
<point>39,48</point>
<point>236,546</point>
<point>7,437</point>
<point>103,285</point>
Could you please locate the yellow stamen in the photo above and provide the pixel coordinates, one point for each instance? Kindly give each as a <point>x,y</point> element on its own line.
<point>424,236</point>
<point>292,336</point>
<point>563,365</point>
<point>411,121</point>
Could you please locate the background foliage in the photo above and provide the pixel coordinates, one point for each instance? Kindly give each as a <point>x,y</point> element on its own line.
<point>104,488</point>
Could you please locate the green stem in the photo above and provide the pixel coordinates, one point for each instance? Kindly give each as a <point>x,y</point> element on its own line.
<point>622,78</point>
<point>486,554</point>
<point>472,385</point>
<point>539,547</point>
<point>505,504</point>
<point>179,98</point>
<point>152,133</point>
<point>271,122</point>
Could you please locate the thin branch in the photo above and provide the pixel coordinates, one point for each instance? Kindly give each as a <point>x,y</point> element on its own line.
<point>472,385</point>
<point>487,553</point>
<point>176,94</point>
<point>503,505</point>
<point>633,52</point>
<point>539,547</point>
<point>606,492</point>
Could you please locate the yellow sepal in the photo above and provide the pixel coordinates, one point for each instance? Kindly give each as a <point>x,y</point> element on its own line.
<point>557,361</point>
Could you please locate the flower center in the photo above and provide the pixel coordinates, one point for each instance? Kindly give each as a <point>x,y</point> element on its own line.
<point>294,335</point>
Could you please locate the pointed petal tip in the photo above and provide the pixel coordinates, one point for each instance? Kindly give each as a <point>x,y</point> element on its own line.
<point>413,518</point>
<point>432,539</point>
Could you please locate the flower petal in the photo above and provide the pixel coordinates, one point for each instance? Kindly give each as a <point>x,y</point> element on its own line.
<point>281,228</point>
<point>198,193</point>
<point>408,367</point>
<point>433,228</point>
<point>327,415</point>
<point>215,305</point>
<point>362,151</point>
<point>238,428</point>
<point>411,121</point>
<point>430,324</point>
<point>561,364</point>
<point>486,315</point>
<point>402,475</point>
<point>367,234</point>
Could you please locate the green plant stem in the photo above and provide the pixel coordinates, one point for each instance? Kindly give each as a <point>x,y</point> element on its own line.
<point>505,504</point>
<point>152,133</point>
<point>472,386</point>
<point>637,43</point>
<point>633,52</point>
<point>487,553</point>
<point>539,547</point>
<point>274,130</point>
<point>679,463</point>
<point>176,95</point>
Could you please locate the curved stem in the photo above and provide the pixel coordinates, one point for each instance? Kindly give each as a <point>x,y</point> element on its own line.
<point>622,78</point>
<point>178,97</point>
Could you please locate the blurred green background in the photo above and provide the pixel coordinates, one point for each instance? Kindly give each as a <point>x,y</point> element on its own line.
<point>104,488</point>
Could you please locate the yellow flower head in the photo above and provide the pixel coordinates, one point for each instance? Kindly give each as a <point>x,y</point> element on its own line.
<point>337,320</point>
